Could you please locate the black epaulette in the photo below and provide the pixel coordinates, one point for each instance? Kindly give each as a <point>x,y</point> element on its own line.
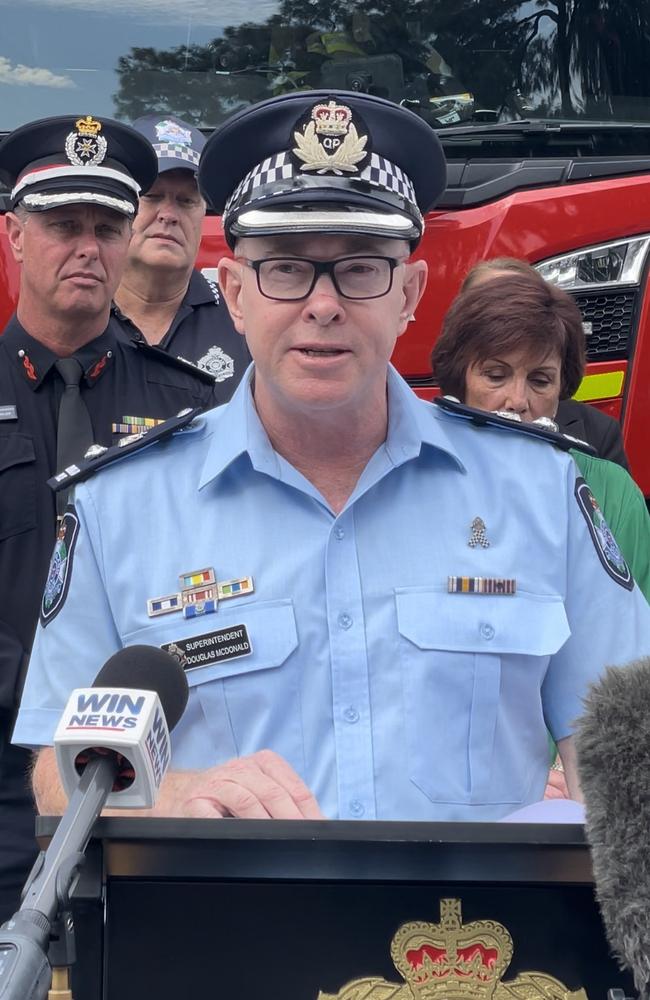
<point>483,418</point>
<point>87,467</point>
<point>152,351</point>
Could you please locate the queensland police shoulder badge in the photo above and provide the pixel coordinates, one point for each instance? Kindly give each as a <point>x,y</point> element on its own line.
<point>58,577</point>
<point>330,138</point>
<point>217,363</point>
<point>606,546</point>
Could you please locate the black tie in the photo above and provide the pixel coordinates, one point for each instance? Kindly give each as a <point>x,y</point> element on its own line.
<point>74,432</point>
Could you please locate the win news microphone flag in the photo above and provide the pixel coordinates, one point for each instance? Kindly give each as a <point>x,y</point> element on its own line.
<point>113,717</point>
<point>613,746</point>
<point>113,746</point>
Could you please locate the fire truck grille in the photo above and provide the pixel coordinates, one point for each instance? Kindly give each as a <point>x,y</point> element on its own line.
<point>609,322</point>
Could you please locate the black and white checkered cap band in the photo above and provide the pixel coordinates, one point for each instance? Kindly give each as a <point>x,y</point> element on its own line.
<point>176,151</point>
<point>380,173</point>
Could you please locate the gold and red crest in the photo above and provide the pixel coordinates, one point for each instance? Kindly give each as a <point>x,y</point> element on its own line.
<point>454,961</point>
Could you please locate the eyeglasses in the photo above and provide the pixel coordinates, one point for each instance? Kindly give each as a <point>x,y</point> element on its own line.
<point>293,278</point>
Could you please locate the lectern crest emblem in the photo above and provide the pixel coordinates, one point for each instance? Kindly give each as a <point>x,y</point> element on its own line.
<point>454,961</point>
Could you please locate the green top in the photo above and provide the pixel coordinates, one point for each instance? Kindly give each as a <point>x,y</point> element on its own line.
<point>625,511</point>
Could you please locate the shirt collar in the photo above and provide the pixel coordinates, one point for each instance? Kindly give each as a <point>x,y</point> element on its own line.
<point>34,360</point>
<point>413,422</point>
<point>238,430</point>
<point>200,290</point>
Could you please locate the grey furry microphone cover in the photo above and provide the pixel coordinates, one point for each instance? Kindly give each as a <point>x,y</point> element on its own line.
<point>613,748</point>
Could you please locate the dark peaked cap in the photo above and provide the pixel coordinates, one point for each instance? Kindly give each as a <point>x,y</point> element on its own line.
<point>77,159</point>
<point>323,161</point>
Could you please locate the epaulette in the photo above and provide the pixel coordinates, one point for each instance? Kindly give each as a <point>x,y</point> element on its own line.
<point>98,457</point>
<point>152,351</point>
<point>483,418</point>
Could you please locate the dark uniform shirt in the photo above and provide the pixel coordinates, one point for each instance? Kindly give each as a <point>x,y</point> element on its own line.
<point>202,332</point>
<point>121,380</point>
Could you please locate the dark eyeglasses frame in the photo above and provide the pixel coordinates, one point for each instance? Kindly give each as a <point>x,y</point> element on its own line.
<point>324,267</point>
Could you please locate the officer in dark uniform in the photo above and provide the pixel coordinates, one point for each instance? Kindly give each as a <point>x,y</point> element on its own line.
<point>162,297</point>
<point>67,381</point>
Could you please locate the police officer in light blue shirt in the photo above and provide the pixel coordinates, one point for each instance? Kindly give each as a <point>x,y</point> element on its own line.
<point>378,611</point>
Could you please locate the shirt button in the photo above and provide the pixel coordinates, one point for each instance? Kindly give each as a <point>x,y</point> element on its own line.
<point>345,621</point>
<point>487,631</point>
<point>339,533</point>
<point>357,808</point>
<point>351,715</point>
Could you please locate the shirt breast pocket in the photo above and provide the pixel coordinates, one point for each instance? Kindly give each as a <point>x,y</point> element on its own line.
<point>472,671</point>
<point>240,703</point>
<point>17,484</point>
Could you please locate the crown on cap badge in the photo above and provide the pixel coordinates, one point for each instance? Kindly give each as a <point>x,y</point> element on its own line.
<point>86,147</point>
<point>331,119</point>
<point>454,961</point>
<point>331,142</point>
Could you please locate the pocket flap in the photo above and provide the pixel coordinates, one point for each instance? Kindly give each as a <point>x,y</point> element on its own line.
<point>16,449</point>
<point>521,623</point>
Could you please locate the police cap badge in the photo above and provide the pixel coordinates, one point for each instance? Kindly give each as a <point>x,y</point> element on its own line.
<point>77,160</point>
<point>177,144</point>
<point>323,161</point>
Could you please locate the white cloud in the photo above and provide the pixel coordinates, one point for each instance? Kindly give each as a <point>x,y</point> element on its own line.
<point>31,76</point>
<point>203,12</point>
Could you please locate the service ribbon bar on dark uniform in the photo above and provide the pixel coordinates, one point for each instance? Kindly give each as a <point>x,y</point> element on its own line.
<point>481,585</point>
<point>133,425</point>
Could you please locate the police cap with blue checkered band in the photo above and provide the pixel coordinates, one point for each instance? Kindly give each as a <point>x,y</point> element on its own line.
<point>77,159</point>
<point>177,144</point>
<point>323,161</point>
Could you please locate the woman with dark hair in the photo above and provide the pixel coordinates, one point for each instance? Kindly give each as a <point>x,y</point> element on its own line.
<point>514,344</point>
<point>577,419</point>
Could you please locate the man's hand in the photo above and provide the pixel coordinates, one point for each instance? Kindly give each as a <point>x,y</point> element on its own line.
<point>556,787</point>
<point>262,786</point>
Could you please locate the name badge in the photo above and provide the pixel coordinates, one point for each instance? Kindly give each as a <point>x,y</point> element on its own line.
<point>210,647</point>
<point>8,412</point>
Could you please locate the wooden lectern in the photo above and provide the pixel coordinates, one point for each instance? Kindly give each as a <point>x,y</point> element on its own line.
<point>247,910</point>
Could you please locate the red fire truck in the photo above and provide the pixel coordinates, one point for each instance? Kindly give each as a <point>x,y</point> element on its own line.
<point>543,109</point>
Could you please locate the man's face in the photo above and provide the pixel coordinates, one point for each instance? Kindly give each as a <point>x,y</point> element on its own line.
<point>167,228</point>
<point>72,258</point>
<point>325,351</point>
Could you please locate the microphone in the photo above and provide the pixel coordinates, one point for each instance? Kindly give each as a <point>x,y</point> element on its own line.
<point>152,686</point>
<point>126,714</point>
<point>613,749</point>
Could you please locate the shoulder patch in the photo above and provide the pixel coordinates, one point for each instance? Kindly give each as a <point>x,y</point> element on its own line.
<point>219,364</point>
<point>58,575</point>
<point>87,467</point>
<point>604,542</point>
<point>483,418</point>
<point>181,364</point>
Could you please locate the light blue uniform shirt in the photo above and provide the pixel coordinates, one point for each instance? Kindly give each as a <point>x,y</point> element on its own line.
<point>391,697</point>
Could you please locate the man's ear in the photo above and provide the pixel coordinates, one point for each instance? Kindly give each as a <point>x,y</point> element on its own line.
<point>229,277</point>
<point>15,228</point>
<point>415,281</point>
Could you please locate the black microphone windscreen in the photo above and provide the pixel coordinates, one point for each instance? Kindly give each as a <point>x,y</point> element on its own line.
<point>613,747</point>
<point>149,669</point>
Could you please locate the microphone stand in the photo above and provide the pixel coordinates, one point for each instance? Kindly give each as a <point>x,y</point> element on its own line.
<point>43,924</point>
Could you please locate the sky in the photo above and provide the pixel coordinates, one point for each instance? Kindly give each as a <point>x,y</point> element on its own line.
<point>59,56</point>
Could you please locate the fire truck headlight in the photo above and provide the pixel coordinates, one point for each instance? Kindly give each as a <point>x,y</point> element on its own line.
<point>606,265</point>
